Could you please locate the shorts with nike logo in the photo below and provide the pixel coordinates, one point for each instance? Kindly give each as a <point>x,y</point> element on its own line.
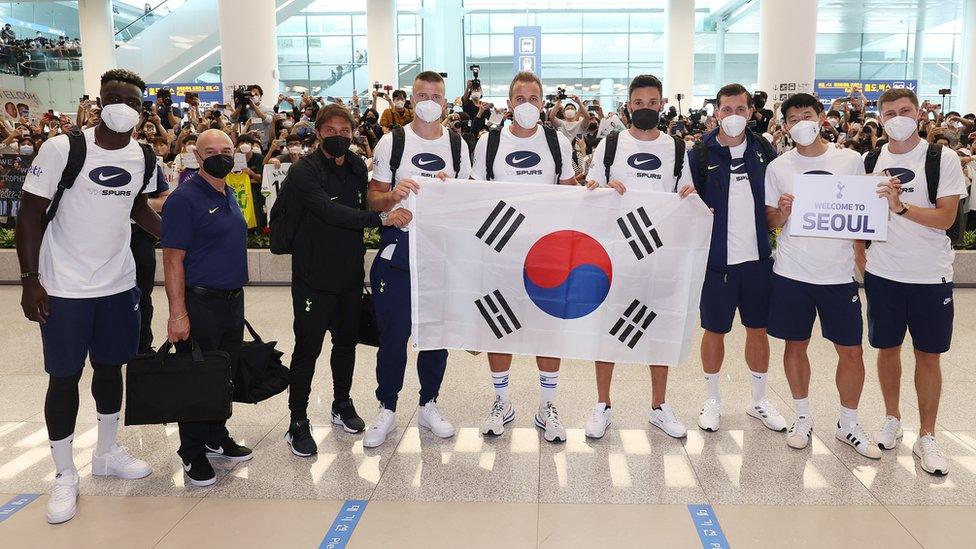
<point>103,329</point>
<point>925,310</point>
<point>744,287</point>
<point>793,306</point>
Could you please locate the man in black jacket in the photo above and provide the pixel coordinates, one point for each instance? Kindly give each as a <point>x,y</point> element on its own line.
<point>327,269</point>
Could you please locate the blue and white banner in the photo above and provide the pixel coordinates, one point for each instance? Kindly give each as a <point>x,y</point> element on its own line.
<point>528,50</point>
<point>829,90</point>
<point>839,206</point>
<point>559,271</point>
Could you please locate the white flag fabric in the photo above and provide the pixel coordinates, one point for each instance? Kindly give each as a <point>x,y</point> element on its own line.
<point>271,181</point>
<point>558,271</point>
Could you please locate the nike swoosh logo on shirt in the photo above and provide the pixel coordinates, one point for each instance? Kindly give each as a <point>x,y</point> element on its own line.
<point>737,166</point>
<point>422,163</point>
<point>102,178</point>
<point>520,160</point>
<point>643,162</point>
<point>213,210</point>
<point>333,198</point>
<point>712,167</point>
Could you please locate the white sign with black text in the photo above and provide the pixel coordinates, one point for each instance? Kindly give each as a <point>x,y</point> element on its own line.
<point>839,206</point>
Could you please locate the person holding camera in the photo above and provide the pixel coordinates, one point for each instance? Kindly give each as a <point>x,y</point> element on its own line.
<point>169,114</point>
<point>570,119</point>
<point>761,115</point>
<point>478,111</point>
<point>397,114</point>
<point>247,107</point>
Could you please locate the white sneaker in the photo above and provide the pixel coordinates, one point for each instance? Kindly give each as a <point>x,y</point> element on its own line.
<point>599,420</point>
<point>63,503</point>
<point>118,462</point>
<point>547,419</point>
<point>798,436</point>
<point>710,415</point>
<point>382,425</point>
<point>502,413</point>
<point>432,418</point>
<point>666,420</point>
<point>933,462</point>
<point>890,433</point>
<point>855,437</point>
<point>765,412</point>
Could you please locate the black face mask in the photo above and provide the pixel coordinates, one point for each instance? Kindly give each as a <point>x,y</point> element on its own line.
<point>218,165</point>
<point>336,145</point>
<point>645,119</point>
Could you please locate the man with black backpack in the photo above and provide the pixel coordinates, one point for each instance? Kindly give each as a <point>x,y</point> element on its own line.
<point>525,152</point>
<point>79,276</point>
<point>729,169</point>
<point>908,278</point>
<point>643,157</point>
<point>325,192</point>
<point>422,148</point>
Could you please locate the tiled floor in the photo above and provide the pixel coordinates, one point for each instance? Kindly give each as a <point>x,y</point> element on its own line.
<point>630,489</point>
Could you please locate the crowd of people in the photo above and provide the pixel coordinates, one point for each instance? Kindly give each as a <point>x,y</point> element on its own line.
<point>352,166</point>
<point>19,55</point>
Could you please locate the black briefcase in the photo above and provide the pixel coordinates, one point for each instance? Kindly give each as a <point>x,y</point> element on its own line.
<point>168,388</point>
<point>369,332</point>
<point>258,371</point>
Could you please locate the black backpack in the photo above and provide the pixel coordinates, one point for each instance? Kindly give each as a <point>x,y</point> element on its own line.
<point>610,153</point>
<point>400,141</point>
<point>495,137</point>
<point>701,153</point>
<point>77,152</point>
<point>933,170</point>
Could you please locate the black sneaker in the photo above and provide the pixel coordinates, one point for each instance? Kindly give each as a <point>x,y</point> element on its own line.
<point>299,438</point>
<point>199,471</point>
<point>229,450</point>
<point>344,414</point>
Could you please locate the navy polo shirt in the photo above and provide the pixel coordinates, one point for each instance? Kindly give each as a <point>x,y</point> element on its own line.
<point>210,228</point>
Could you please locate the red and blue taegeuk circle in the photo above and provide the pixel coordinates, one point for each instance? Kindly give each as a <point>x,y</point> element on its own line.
<point>567,274</point>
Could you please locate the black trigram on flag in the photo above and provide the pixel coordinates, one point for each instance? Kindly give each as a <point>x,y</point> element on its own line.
<point>632,325</point>
<point>501,224</point>
<point>639,232</point>
<point>499,316</point>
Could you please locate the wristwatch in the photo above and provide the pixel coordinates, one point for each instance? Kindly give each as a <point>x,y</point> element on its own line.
<point>383,216</point>
<point>904,209</point>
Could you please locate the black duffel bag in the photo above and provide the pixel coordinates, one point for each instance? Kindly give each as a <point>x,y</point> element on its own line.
<point>258,371</point>
<point>369,332</point>
<point>168,388</point>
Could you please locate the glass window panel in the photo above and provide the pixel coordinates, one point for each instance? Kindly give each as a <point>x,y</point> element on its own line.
<point>562,22</point>
<point>293,25</point>
<point>408,24</point>
<point>407,48</point>
<point>646,47</point>
<point>478,47</point>
<point>605,22</point>
<point>605,47</point>
<point>885,70</point>
<point>503,22</point>
<point>329,24</point>
<point>503,45</point>
<point>298,72</point>
<point>885,47</point>
<point>480,22</point>
<point>560,48</point>
<point>292,50</point>
<point>331,50</point>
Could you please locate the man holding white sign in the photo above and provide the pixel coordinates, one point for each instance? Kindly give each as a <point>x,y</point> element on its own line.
<point>813,274</point>
<point>908,278</point>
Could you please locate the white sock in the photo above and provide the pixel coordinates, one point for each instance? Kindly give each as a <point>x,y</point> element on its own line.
<point>758,386</point>
<point>802,407</point>
<point>108,430</point>
<point>500,381</point>
<point>547,386</point>
<point>712,380</point>
<point>64,460</point>
<point>848,417</point>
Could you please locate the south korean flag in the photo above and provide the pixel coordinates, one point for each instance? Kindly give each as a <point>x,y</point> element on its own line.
<point>557,271</point>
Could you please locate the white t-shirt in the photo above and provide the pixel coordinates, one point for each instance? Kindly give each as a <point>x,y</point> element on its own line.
<point>571,130</point>
<point>914,253</point>
<point>85,251</point>
<point>811,259</point>
<point>612,123</point>
<point>742,243</point>
<point>421,157</point>
<point>646,165</point>
<point>523,160</point>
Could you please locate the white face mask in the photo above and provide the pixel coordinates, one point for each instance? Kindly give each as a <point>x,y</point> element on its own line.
<point>900,128</point>
<point>120,117</point>
<point>26,149</point>
<point>191,149</point>
<point>295,149</point>
<point>288,123</point>
<point>398,104</point>
<point>804,132</point>
<point>476,95</point>
<point>526,115</point>
<point>428,111</point>
<point>733,125</point>
<point>245,148</point>
<point>569,113</point>
<point>256,99</point>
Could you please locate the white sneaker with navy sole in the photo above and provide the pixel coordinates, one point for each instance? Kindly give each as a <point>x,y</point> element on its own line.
<point>599,421</point>
<point>501,414</point>
<point>547,419</point>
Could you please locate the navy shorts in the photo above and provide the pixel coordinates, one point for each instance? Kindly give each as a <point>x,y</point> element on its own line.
<point>793,306</point>
<point>926,310</point>
<point>744,287</point>
<point>106,329</point>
